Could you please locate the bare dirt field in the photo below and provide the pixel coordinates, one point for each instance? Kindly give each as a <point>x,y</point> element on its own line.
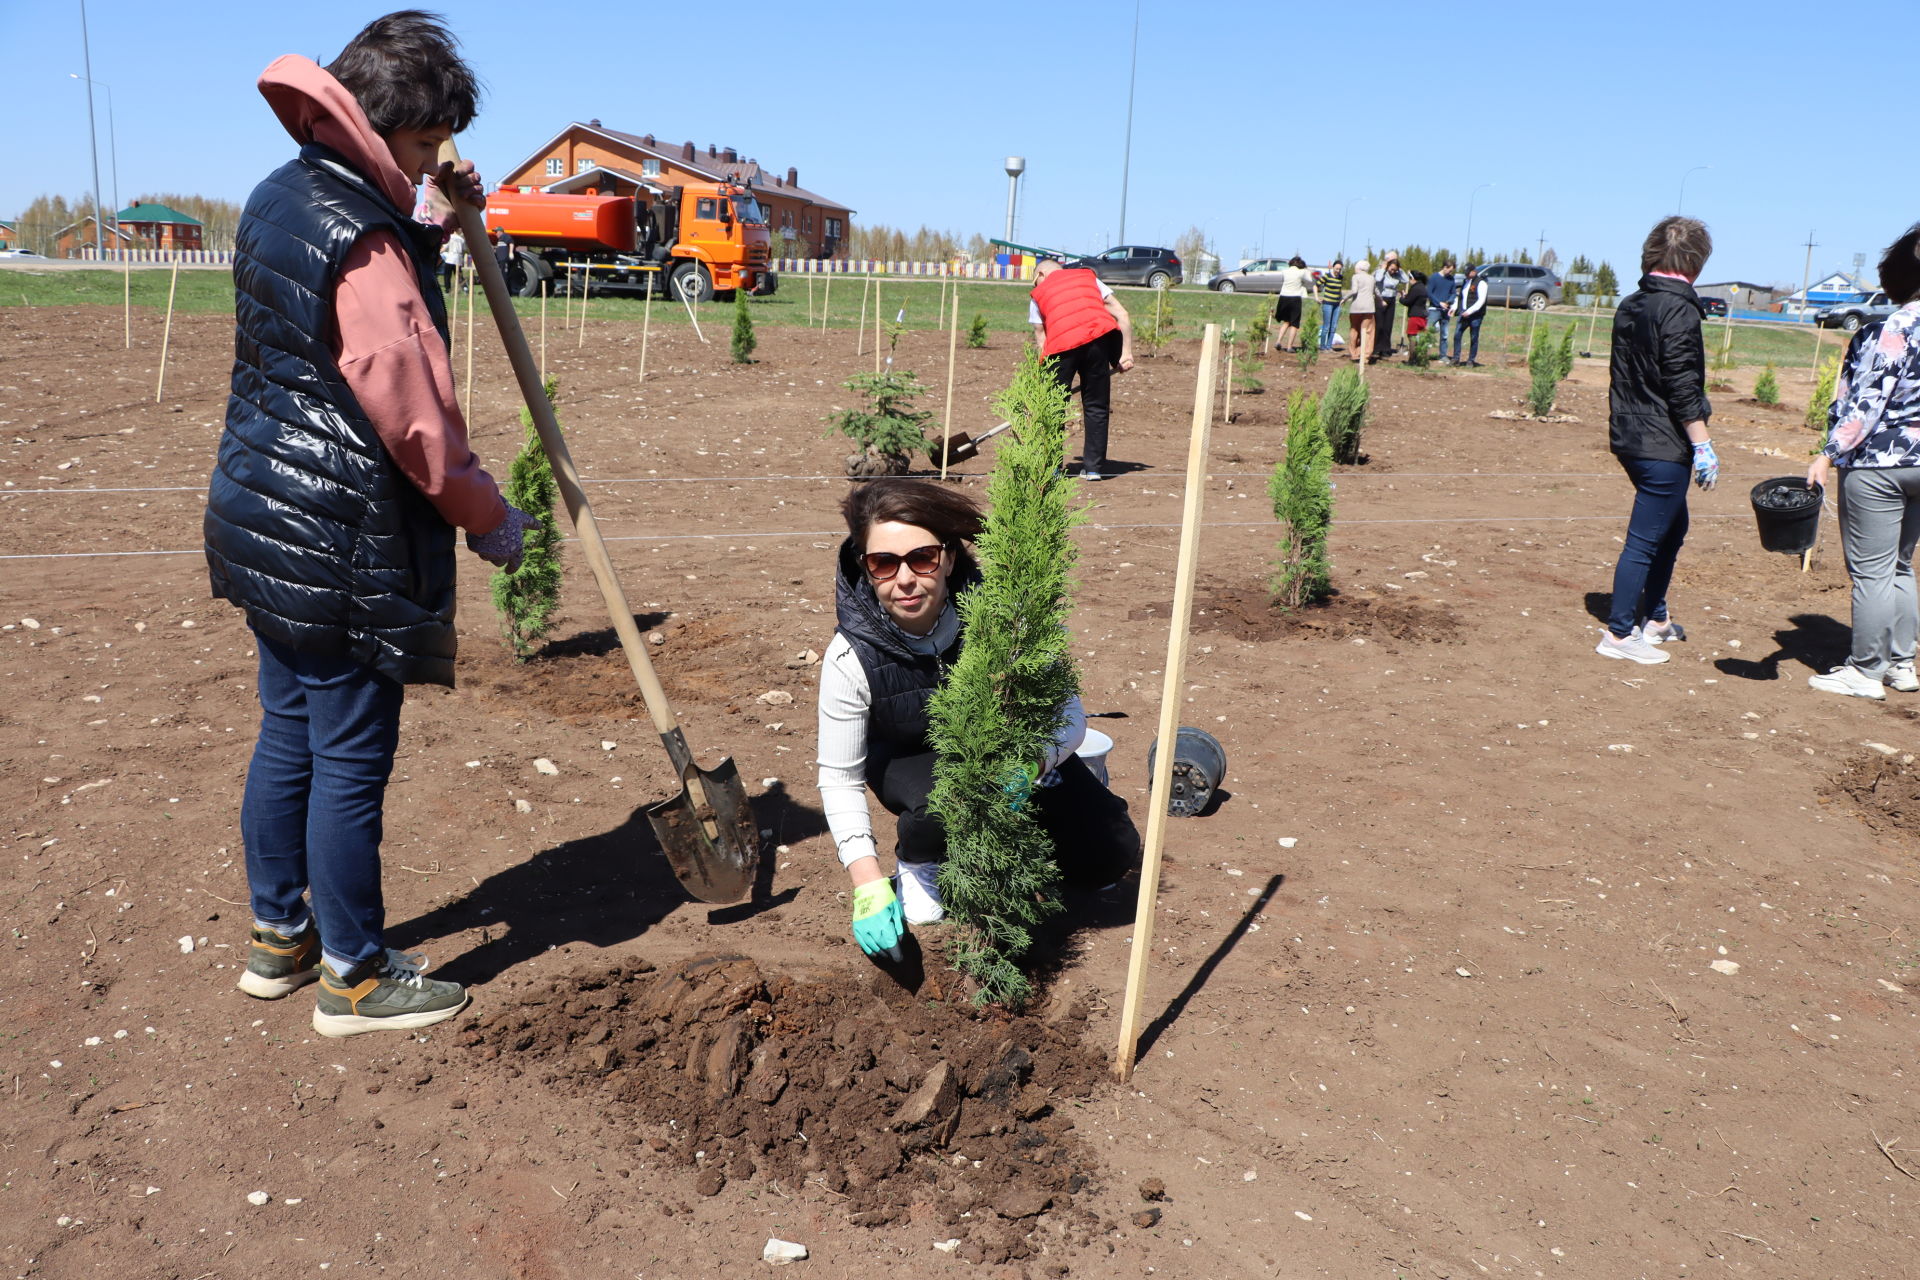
<point>1496,959</point>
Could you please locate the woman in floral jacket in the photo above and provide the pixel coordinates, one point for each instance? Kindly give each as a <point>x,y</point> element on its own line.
<point>1873,437</point>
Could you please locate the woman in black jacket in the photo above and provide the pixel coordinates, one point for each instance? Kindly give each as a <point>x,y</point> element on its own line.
<point>1657,427</point>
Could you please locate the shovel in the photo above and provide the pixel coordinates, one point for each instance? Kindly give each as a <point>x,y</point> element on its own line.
<point>708,831</point>
<point>960,446</point>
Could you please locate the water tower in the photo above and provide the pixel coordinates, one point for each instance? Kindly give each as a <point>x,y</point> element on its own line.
<point>1016,165</point>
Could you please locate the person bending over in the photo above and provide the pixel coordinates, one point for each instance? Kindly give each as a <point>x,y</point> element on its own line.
<point>1083,329</point>
<point>904,562</point>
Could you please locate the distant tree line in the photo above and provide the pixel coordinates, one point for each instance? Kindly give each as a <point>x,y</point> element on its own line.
<point>46,216</point>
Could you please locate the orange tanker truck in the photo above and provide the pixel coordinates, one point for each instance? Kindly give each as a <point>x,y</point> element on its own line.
<point>701,241</point>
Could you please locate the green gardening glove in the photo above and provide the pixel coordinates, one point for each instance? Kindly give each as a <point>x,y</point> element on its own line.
<point>877,919</point>
<point>1017,785</point>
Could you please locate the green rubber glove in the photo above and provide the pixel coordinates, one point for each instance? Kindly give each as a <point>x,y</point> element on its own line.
<point>877,919</point>
<point>1017,785</point>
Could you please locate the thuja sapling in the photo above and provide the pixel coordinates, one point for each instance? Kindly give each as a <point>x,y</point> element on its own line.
<point>1822,401</point>
<point>1544,371</point>
<point>1343,411</point>
<point>1308,349</point>
<point>528,596</point>
<point>996,714</point>
<point>1767,389</point>
<point>1301,487</point>
<point>977,331</point>
<point>743,340</point>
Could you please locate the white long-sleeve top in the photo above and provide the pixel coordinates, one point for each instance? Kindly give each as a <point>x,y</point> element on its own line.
<point>846,699</point>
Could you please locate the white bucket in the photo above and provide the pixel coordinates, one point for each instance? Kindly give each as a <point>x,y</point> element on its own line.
<point>1094,752</point>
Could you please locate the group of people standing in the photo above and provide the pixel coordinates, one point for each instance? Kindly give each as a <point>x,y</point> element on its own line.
<point>1372,300</point>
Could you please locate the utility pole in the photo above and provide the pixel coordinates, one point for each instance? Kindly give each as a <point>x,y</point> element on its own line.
<point>93,140</point>
<point>1806,282</point>
<point>1126,158</point>
<point>1541,252</point>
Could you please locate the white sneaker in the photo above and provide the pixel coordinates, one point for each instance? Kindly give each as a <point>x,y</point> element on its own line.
<point>1850,680</point>
<point>1633,649</point>
<point>1656,633</point>
<point>918,885</point>
<point>1901,676</point>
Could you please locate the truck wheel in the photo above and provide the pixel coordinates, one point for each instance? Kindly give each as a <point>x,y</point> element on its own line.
<point>691,281</point>
<point>1852,323</point>
<point>523,275</point>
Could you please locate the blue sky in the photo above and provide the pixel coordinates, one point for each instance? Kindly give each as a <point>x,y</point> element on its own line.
<point>1249,119</point>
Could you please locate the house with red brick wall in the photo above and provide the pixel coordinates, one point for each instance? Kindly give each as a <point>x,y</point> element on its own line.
<point>591,157</point>
<point>75,240</point>
<point>155,226</point>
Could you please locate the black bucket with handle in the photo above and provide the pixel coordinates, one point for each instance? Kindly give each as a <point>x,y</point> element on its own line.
<point>1788,513</point>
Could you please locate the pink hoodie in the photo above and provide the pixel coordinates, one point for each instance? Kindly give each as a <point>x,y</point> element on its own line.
<point>392,358</point>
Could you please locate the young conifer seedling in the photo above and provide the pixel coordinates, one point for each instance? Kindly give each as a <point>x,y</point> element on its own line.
<point>527,597</point>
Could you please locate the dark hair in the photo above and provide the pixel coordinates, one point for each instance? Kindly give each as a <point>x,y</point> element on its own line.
<point>1421,276</point>
<point>1900,267</point>
<point>946,512</point>
<point>405,72</point>
<point>1677,245</point>
<point>1296,261</point>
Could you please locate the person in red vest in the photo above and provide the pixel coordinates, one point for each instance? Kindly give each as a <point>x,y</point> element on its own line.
<point>1085,331</point>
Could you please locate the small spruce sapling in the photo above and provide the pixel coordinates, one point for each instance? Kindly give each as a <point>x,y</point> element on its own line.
<point>1420,350</point>
<point>527,597</point>
<point>977,331</point>
<point>743,340</point>
<point>1309,339</point>
<point>889,429</point>
<point>1767,389</point>
<point>1301,487</point>
<point>997,712</point>
<point>1343,412</point>
<point>1822,401</point>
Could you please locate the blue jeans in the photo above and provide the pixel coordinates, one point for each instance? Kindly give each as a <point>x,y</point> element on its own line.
<point>1460,330</point>
<point>1329,317</point>
<point>1655,531</point>
<point>310,817</point>
<point>1437,321</point>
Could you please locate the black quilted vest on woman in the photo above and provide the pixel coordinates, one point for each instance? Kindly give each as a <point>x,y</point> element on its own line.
<point>901,680</point>
<point>310,527</point>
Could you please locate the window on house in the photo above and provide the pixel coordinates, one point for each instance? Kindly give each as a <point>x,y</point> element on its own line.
<point>833,227</point>
<point>649,168</point>
<point>556,167</point>
<point>806,223</point>
<point>582,165</point>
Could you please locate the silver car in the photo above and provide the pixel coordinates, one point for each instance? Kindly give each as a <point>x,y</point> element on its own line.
<point>1515,284</point>
<point>1262,275</point>
<point>1851,315</point>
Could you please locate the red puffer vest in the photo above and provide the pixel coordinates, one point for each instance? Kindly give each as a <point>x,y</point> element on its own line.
<point>1071,309</point>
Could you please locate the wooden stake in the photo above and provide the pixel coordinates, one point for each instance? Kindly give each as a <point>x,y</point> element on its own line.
<point>696,319</point>
<point>876,324</point>
<point>466,401</point>
<point>860,335</point>
<point>166,335</point>
<point>953,344</point>
<point>1226,414</point>
<point>126,262</point>
<point>1593,325</point>
<point>1172,683</point>
<point>543,336</point>
<point>586,292</point>
<point>826,301</point>
<point>646,323</point>
<point>809,301</point>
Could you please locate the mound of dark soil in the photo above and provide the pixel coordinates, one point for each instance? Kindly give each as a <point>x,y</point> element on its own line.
<point>898,1107</point>
<point>1885,789</point>
<point>1250,614</point>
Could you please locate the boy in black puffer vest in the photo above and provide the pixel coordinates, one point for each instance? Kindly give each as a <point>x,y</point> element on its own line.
<point>341,475</point>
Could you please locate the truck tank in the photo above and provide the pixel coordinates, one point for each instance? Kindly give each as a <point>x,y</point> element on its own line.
<point>587,223</point>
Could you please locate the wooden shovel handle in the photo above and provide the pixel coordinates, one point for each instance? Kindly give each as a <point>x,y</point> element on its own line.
<point>527,372</point>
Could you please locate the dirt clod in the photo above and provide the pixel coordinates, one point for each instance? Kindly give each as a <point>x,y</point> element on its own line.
<point>1153,1189</point>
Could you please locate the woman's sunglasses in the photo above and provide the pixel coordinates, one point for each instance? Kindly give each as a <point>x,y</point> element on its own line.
<point>882,565</point>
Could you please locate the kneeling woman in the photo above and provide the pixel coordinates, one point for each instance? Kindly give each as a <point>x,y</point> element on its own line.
<point>904,561</point>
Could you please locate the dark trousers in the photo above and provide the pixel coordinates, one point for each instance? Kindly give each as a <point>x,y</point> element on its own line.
<point>1094,842</point>
<point>1655,531</point>
<point>311,813</point>
<point>1468,324</point>
<point>1383,327</point>
<point>1092,363</point>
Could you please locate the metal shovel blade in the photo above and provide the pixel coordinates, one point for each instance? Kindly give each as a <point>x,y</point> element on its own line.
<point>709,834</point>
<point>960,446</point>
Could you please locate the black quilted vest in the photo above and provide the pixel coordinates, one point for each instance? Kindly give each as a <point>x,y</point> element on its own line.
<point>901,680</point>
<point>310,527</point>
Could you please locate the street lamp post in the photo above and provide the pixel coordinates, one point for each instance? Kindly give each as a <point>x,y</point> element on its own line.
<point>113,145</point>
<point>93,140</point>
<point>1343,225</point>
<point>1681,205</point>
<point>1126,157</point>
<point>1466,250</point>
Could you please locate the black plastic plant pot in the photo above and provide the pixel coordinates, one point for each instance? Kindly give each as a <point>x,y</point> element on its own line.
<point>1788,513</point>
<point>1199,763</point>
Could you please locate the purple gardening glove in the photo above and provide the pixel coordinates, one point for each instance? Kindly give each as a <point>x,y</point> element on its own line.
<point>504,545</point>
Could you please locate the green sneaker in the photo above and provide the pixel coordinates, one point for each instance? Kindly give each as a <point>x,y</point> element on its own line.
<point>278,965</point>
<point>386,993</point>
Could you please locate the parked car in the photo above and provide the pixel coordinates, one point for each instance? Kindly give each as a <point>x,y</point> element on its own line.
<point>1135,264</point>
<point>1514,284</point>
<point>1262,275</point>
<point>21,253</point>
<point>1851,315</point>
<point>1713,306</point>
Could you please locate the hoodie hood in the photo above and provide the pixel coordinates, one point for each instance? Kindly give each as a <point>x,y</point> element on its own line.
<point>859,611</point>
<point>316,108</point>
